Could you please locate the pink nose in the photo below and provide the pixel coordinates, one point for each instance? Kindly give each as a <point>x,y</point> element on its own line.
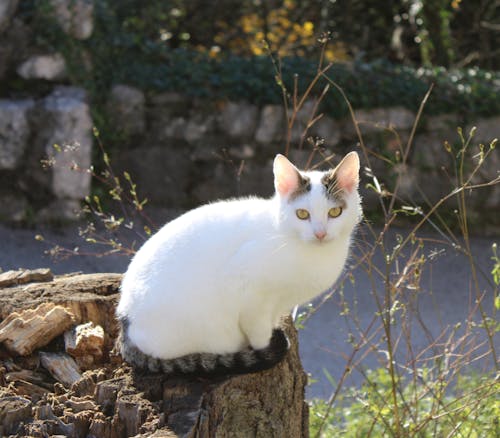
<point>320,235</point>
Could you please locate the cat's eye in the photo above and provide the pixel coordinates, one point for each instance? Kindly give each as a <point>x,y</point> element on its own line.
<point>302,214</point>
<point>335,212</point>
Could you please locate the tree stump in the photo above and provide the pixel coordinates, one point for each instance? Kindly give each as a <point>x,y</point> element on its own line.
<point>112,400</point>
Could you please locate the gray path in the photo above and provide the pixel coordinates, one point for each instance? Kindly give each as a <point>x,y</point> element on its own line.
<point>447,298</point>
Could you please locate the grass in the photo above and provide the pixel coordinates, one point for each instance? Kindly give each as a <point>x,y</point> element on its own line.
<point>471,409</point>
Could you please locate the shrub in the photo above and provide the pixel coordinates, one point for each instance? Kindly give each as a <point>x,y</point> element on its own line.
<point>127,47</point>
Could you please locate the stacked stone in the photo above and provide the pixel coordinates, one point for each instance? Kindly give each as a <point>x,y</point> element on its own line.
<point>183,151</point>
<point>55,130</point>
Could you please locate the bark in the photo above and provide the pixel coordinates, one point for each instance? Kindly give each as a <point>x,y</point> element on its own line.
<point>111,400</point>
<point>61,366</point>
<point>22,332</point>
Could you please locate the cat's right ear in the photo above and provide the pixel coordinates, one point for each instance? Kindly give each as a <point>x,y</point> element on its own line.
<point>286,176</point>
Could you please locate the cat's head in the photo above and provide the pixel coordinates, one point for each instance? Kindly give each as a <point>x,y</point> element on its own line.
<point>318,206</point>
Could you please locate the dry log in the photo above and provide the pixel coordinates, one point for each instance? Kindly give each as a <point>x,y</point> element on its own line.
<point>266,404</point>
<point>30,376</point>
<point>85,343</point>
<point>90,297</point>
<point>25,388</point>
<point>30,329</point>
<point>61,366</point>
<point>24,276</point>
<point>13,411</point>
<point>78,404</point>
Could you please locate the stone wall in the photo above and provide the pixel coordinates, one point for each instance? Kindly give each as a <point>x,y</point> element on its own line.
<point>183,151</point>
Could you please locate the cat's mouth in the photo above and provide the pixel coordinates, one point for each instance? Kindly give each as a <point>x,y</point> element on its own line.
<point>323,241</point>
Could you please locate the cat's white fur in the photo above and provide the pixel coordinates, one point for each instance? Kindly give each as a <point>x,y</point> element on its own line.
<point>219,277</point>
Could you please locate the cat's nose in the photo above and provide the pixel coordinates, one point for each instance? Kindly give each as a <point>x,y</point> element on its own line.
<point>320,235</point>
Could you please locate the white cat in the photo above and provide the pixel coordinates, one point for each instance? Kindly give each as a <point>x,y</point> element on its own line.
<point>204,295</point>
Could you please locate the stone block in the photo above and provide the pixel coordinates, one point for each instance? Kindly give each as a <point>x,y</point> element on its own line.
<point>400,118</point>
<point>7,9</point>
<point>60,210</point>
<point>174,128</point>
<point>376,119</point>
<point>72,129</point>
<point>272,124</point>
<point>14,131</point>
<point>256,179</point>
<point>435,185</point>
<point>327,129</point>
<point>50,67</point>
<point>306,112</point>
<point>220,181</point>
<point>239,119</point>
<point>63,119</point>
<point>162,173</point>
<point>407,176</point>
<point>428,151</point>
<point>489,171</point>
<point>13,207</point>
<point>197,127</point>
<point>486,130</point>
<point>75,17</point>
<point>126,109</point>
<point>300,157</point>
<point>443,123</point>
<point>13,44</point>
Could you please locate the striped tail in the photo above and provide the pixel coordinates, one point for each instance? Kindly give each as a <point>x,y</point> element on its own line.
<point>205,364</point>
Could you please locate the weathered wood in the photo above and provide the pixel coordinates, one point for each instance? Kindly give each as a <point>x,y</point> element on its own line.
<point>13,411</point>
<point>30,329</point>
<point>61,366</point>
<point>114,401</point>
<point>30,376</point>
<point>25,388</point>
<point>85,343</point>
<point>90,297</point>
<point>24,276</point>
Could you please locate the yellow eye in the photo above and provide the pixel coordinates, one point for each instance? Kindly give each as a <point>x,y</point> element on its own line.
<point>335,212</point>
<point>302,214</point>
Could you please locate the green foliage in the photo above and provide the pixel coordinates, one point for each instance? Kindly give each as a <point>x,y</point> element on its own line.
<point>127,47</point>
<point>471,408</point>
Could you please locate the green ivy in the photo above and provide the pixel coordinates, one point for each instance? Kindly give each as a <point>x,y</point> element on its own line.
<point>123,49</point>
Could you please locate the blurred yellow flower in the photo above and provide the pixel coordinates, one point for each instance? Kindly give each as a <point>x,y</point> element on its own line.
<point>279,31</point>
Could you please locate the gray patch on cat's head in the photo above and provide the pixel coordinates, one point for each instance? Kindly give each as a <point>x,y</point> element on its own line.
<point>303,187</point>
<point>332,189</point>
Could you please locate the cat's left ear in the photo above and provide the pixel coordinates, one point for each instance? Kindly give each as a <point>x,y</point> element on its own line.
<point>286,176</point>
<point>347,172</point>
